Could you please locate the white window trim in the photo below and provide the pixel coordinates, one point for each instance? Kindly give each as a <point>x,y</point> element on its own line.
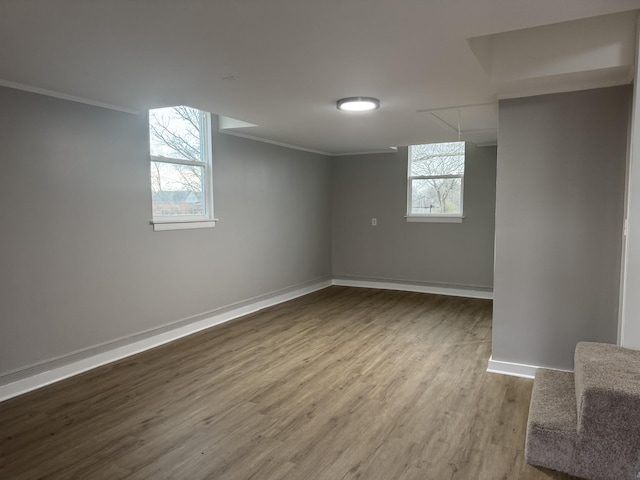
<point>167,226</point>
<point>186,222</point>
<point>434,217</point>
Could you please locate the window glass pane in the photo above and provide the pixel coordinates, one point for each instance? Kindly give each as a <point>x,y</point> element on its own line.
<point>174,132</point>
<point>177,189</point>
<point>437,159</point>
<point>436,196</point>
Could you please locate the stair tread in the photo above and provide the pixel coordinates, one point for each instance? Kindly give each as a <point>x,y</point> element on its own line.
<point>553,401</point>
<point>587,424</point>
<point>602,365</point>
<point>603,368</point>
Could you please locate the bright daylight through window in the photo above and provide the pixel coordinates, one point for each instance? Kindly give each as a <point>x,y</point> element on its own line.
<point>180,148</point>
<point>435,182</point>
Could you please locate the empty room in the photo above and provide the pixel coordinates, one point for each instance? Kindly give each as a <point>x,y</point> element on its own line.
<point>394,240</point>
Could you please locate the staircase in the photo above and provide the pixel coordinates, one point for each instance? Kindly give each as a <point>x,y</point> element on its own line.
<point>587,423</point>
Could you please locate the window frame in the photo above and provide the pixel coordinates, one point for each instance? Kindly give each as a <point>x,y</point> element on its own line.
<point>433,217</point>
<point>179,222</point>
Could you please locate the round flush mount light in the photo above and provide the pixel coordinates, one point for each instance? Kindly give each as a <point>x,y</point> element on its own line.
<point>358,104</point>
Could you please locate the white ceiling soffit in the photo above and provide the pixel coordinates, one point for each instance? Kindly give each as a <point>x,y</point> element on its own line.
<point>225,123</point>
<point>576,55</point>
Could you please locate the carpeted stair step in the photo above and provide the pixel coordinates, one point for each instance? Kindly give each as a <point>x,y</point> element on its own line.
<point>551,428</point>
<point>607,389</point>
<point>604,373</point>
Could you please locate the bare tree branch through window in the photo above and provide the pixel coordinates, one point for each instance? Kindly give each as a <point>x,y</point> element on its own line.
<point>178,160</point>
<point>436,178</point>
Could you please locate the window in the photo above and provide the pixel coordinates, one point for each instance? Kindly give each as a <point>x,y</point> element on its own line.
<point>435,182</point>
<point>180,149</point>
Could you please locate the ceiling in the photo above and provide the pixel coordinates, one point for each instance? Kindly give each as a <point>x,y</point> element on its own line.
<point>437,66</point>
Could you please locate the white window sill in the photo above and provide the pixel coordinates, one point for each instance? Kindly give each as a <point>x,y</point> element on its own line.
<point>178,225</point>
<point>435,218</point>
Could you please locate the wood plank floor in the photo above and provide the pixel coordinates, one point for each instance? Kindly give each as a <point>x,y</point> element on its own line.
<point>344,383</point>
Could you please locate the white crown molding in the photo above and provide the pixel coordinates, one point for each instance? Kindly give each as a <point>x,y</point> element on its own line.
<point>226,131</point>
<point>303,149</point>
<point>455,107</point>
<point>370,152</point>
<point>273,142</point>
<point>64,96</point>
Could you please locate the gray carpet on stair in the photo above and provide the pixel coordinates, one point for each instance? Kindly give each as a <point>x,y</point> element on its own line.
<point>588,424</point>
<point>551,429</point>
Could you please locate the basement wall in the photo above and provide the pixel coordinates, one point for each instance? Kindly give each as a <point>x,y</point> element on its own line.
<point>559,218</point>
<point>445,254</point>
<point>80,264</point>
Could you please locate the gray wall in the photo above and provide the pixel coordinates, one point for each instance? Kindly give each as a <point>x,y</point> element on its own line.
<point>79,262</point>
<point>560,187</point>
<point>629,331</point>
<point>366,186</point>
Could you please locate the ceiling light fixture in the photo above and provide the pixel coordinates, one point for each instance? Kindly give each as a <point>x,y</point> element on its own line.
<point>358,104</point>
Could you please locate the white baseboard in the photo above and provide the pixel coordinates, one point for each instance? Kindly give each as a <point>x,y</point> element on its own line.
<point>516,369</point>
<point>513,369</point>
<point>415,287</point>
<point>91,361</point>
<point>56,374</point>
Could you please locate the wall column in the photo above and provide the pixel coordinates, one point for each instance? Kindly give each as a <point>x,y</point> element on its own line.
<point>629,329</point>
